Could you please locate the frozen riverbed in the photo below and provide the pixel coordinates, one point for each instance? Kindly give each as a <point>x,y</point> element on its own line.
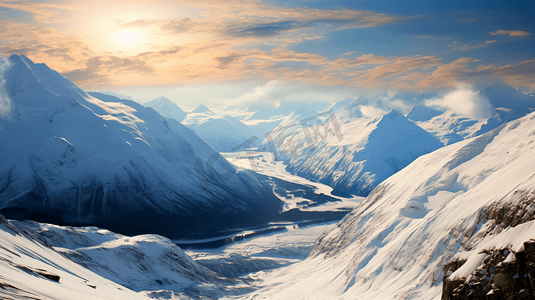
<point>298,194</point>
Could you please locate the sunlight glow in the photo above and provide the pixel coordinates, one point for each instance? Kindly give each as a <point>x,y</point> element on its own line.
<point>128,36</point>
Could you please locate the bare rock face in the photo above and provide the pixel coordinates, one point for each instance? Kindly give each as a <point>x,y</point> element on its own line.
<point>503,274</point>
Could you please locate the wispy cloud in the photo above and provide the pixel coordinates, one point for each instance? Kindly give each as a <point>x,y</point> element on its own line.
<point>466,47</point>
<point>211,40</point>
<point>43,12</point>
<point>510,32</point>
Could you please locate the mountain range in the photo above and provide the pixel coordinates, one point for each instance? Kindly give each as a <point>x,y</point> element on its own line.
<point>70,158</point>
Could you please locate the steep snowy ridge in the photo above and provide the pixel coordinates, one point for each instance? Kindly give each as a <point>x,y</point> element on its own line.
<point>117,164</point>
<point>352,155</point>
<point>394,245</point>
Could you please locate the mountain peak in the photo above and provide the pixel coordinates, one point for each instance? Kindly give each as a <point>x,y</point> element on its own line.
<point>162,99</point>
<point>394,118</point>
<point>201,109</point>
<point>24,75</point>
<point>20,77</point>
<point>394,113</point>
<point>423,113</point>
<point>14,58</point>
<point>158,101</point>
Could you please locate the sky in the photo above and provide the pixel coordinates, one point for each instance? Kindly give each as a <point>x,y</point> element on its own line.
<point>216,52</point>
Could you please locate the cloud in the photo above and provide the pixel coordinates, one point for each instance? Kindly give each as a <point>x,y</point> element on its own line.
<point>42,12</point>
<point>5,101</point>
<point>510,32</point>
<point>224,61</point>
<point>265,30</point>
<point>520,74</point>
<point>276,91</point>
<point>100,70</point>
<point>464,101</point>
<point>465,47</point>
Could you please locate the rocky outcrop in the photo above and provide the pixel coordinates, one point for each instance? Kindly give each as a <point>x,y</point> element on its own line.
<point>503,274</point>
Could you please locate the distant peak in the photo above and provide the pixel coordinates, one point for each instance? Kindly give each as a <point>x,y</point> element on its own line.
<point>394,113</point>
<point>162,99</point>
<point>423,113</point>
<point>394,116</point>
<point>16,58</point>
<point>201,109</point>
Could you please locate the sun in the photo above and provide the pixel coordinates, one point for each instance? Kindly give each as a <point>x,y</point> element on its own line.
<point>129,37</point>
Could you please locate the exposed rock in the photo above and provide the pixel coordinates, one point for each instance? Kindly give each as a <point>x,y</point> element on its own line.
<point>503,274</point>
<point>41,272</point>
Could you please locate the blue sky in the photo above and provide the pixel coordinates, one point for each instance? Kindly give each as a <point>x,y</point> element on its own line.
<point>223,51</point>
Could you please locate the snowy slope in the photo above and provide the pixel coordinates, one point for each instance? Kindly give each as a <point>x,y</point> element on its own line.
<point>68,157</point>
<point>353,154</point>
<point>224,133</point>
<point>24,263</point>
<point>140,263</point>
<point>451,128</point>
<point>394,245</point>
<point>167,108</point>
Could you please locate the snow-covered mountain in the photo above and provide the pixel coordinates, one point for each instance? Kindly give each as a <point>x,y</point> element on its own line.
<point>140,263</point>
<point>470,202</point>
<point>354,154</point>
<point>120,96</point>
<point>42,261</point>
<point>70,158</point>
<point>167,108</point>
<point>506,103</point>
<point>450,127</point>
<point>224,133</point>
<point>422,113</point>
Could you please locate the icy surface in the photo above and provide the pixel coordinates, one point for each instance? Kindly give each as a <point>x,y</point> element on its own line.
<point>264,163</point>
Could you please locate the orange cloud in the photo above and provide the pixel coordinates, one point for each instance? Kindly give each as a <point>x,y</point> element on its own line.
<point>222,40</point>
<point>43,12</point>
<point>510,32</point>
<point>465,47</point>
